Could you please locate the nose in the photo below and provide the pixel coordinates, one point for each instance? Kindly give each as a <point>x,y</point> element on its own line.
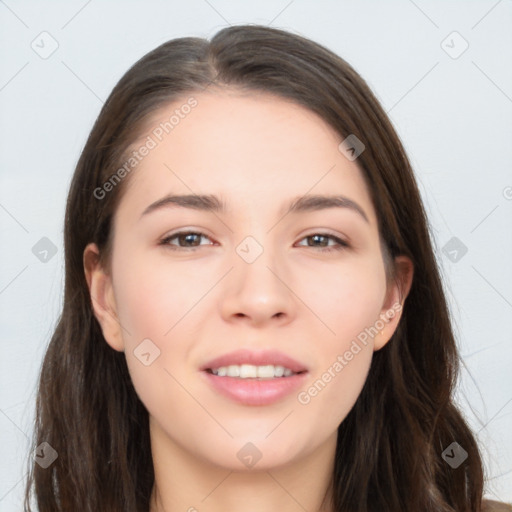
<point>258,293</point>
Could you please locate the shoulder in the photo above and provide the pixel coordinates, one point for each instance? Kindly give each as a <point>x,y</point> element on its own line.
<point>495,506</point>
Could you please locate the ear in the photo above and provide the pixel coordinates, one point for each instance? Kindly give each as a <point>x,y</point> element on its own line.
<point>397,292</point>
<point>102,297</point>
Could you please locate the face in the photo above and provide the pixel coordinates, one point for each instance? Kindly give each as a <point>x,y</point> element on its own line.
<point>309,283</point>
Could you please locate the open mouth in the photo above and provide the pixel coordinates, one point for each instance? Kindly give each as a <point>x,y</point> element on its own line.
<point>249,371</point>
<point>254,385</point>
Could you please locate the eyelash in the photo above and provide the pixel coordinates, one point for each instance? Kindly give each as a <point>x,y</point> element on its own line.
<point>341,244</point>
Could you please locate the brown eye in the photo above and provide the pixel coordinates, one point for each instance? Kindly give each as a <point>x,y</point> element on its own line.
<point>321,241</point>
<point>186,240</point>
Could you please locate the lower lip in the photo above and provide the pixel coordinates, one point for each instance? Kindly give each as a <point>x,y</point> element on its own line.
<point>254,391</point>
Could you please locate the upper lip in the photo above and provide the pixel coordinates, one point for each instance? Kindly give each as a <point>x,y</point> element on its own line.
<point>256,358</point>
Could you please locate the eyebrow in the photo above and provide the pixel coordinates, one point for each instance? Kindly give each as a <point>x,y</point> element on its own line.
<point>211,203</point>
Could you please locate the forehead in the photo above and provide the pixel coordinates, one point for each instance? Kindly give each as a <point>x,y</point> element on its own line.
<point>246,148</point>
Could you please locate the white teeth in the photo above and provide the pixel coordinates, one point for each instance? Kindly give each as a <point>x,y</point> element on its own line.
<point>222,372</point>
<point>233,371</point>
<point>266,372</point>
<point>249,371</point>
<point>279,371</point>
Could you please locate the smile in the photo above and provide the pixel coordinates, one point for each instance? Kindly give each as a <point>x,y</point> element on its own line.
<point>249,371</point>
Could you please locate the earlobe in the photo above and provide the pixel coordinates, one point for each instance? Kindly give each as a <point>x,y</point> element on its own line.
<point>102,297</point>
<point>395,299</point>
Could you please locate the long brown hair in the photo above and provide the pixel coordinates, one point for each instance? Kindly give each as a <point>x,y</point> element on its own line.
<point>389,449</point>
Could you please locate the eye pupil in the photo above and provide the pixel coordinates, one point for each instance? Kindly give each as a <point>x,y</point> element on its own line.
<point>187,236</point>
<point>316,237</point>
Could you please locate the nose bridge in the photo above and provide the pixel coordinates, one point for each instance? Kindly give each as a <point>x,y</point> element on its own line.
<point>255,259</point>
<point>258,290</point>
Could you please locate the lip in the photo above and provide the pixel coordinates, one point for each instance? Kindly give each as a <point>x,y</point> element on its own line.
<point>254,391</point>
<point>256,358</point>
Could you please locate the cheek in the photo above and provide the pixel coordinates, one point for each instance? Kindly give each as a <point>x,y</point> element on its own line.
<point>347,298</point>
<point>159,302</point>
<point>153,308</point>
<point>153,297</point>
<point>334,389</point>
<point>349,302</point>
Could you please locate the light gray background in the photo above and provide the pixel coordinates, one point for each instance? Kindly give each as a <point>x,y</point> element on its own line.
<point>453,115</point>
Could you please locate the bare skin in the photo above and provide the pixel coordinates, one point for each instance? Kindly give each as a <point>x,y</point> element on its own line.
<point>256,152</point>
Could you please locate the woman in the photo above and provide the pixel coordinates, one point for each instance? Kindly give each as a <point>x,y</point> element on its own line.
<point>302,358</point>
